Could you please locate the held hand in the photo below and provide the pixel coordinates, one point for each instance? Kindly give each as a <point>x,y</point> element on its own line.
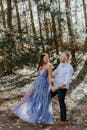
<point>53,89</point>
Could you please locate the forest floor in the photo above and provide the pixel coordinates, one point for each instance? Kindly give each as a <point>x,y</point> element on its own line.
<point>10,122</point>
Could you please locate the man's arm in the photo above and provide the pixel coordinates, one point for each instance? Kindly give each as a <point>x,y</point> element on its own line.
<point>68,76</point>
<point>54,73</point>
<point>58,87</point>
<point>67,79</point>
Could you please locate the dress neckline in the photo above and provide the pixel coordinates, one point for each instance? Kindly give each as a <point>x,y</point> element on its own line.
<point>42,72</point>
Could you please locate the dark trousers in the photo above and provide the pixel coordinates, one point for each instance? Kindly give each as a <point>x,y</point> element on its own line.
<point>61,97</point>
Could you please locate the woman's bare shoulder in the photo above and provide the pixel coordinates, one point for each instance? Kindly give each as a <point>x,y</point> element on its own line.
<point>49,66</point>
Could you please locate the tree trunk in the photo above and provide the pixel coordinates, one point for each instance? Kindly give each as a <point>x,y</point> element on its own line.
<point>51,32</point>
<point>60,37</point>
<point>54,32</point>
<point>85,14</point>
<point>76,14</point>
<point>3,14</point>
<point>25,19</point>
<point>18,17</point>
<point>85,18</point>
<point>32,19</point>
<point>46,24</point>
<point>40,30</point>
<point>9,14</point>
<point>71,34</point>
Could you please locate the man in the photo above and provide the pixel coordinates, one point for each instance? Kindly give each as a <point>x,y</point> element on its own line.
<point>62,77</point>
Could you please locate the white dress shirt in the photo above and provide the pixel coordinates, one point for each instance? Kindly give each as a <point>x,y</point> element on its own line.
<point>63,74</point>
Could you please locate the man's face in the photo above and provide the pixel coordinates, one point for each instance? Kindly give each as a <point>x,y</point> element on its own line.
<point>63,58</point>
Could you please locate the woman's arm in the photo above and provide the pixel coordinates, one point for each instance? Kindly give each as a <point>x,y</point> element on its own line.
<point>49,67</point>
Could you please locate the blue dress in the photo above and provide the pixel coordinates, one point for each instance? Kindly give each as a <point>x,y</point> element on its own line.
<point>36,106</point>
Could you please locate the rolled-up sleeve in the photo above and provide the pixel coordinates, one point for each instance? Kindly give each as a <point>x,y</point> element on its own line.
<point>69,73</point>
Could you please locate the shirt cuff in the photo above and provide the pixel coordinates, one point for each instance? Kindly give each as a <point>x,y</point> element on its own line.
<point>66,83</point>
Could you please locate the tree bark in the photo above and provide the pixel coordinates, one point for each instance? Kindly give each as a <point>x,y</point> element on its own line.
<point>46,24</point>
<point>85,18</point>
<point>71,34</point>
<point>85,14</point>
<point>9,14</point>
<point>54,32</point>
<point>60,37</point>
<point>18,17</point>
<point>40,30</point>
<point>32,19</point>
<point>3,15</point>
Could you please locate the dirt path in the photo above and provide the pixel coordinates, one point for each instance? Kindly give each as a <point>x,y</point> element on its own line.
<point>10,122</point>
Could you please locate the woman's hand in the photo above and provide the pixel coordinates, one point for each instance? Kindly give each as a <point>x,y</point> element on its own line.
<point>52,88</point>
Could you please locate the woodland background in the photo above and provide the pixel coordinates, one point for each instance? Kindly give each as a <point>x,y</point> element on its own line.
<point>30,27</point>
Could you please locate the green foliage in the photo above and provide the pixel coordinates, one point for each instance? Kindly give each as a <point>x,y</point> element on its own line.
<point>43,7</point>
<point>36,1</point>
<point>7,42</point>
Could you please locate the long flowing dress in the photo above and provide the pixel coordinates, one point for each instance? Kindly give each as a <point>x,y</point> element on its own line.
<point>35,106</point>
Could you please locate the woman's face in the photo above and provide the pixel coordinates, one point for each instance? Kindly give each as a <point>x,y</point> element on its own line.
<point>46,58</point>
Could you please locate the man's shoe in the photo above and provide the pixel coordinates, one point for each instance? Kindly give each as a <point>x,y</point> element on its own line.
<point>62,123</point>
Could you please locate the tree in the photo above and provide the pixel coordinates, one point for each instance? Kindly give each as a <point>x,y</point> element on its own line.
<point>9,14</point>
<point>18,17</point>
<point>70,31</point>
<point>76,14</point>
<point>3,14</point>
<point>32,18</point>
<point>25,19</point>
<point>85,14</point>
<point>45,21</point>
<point>85,18</point>
<point>54,31</point>
<point>60,37</point>
<point>8,45</point>
<point>40,29</point>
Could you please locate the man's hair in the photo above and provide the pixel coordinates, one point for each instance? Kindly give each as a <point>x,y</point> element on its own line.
<point>67,54</point>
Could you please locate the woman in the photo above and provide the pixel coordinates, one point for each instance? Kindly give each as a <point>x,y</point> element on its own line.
<point>36,107</point>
